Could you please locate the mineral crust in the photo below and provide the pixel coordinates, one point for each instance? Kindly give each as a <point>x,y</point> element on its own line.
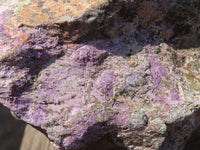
<point>103,74</point>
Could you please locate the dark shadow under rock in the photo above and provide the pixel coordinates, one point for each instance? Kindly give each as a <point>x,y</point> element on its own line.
<point>194,141</point>
<point>101,139</point>
<point>11,130</point>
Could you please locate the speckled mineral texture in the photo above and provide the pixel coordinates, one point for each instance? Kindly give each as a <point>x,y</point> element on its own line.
<point>102,74</point>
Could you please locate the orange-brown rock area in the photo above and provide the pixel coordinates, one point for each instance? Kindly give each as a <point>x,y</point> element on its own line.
<point>33,13</point>
<point>37,12</point>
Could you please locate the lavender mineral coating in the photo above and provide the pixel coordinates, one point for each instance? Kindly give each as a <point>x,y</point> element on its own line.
<point>74,98</point>
<point>79,92</point>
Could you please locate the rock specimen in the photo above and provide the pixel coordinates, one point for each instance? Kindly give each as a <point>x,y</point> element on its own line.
<point>103,74</point>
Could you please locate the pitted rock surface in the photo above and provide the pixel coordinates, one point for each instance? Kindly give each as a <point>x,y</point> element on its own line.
<point>123,73</point>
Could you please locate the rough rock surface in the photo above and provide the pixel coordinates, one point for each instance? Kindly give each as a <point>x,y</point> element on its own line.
<point>124,73</point>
